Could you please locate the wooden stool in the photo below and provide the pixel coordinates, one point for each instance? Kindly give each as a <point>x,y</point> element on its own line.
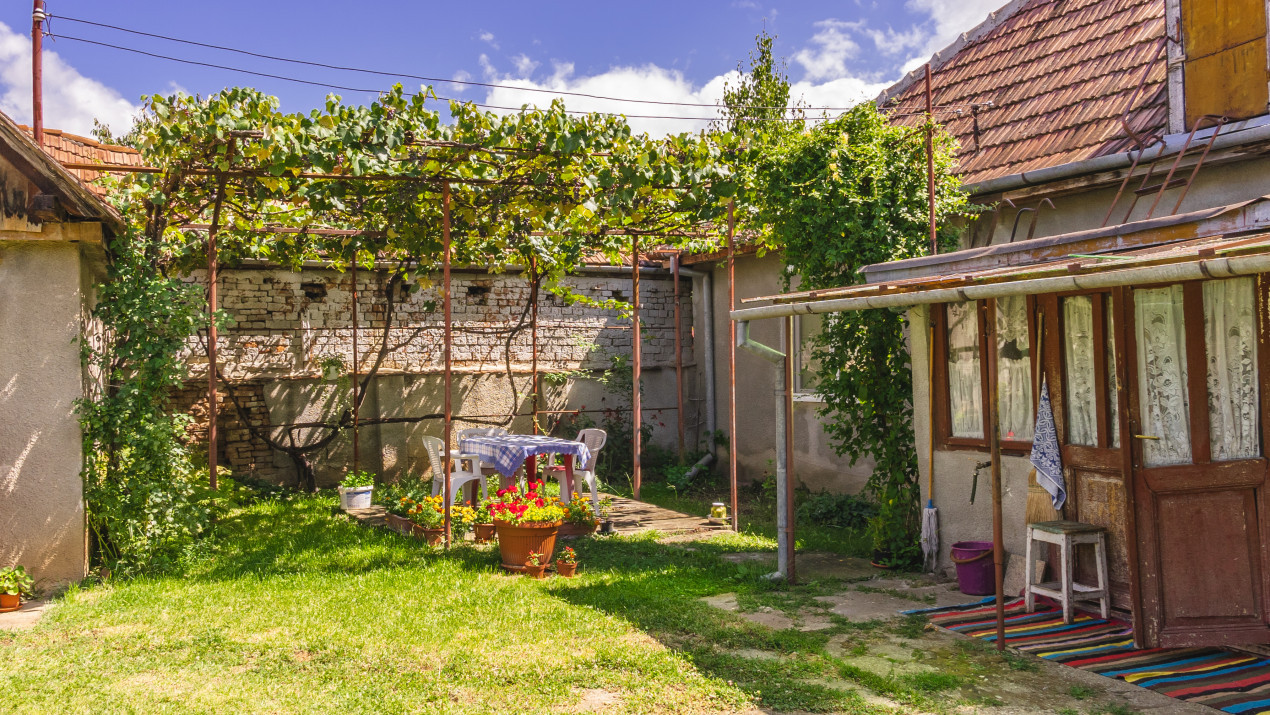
<point>1068,535</point>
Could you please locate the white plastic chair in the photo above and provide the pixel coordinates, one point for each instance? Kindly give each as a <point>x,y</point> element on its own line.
<point>480,467</point>
<point>459,477</point>
<point>594,440</point>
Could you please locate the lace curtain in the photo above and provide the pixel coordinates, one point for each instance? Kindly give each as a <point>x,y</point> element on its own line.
<point>1161,338</point>
<point>1078,361</point>
<point>1113,385</point>
<point>1014,370</point>
<point>1230,332</point>
<point>965,394</point>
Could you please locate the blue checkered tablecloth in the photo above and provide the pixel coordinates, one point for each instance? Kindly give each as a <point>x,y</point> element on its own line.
<point>509,451</point>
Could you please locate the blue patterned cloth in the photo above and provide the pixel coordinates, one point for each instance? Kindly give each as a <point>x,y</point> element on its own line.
<point>508,452</point>
<point>1046,456</point>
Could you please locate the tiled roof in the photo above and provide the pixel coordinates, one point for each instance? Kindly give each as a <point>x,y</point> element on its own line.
<point>69,148</point>
<point>1060,75</point>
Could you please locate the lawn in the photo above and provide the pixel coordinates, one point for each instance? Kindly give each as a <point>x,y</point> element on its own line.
<point>293,608</point>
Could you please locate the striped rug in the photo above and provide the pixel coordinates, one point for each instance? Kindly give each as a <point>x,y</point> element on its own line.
<point>1229,681</point>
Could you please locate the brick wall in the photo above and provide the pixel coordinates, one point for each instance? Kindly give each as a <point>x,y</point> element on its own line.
<point>285,323</point>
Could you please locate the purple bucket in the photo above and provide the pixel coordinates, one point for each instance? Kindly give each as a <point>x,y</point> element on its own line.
<point>976,571</point>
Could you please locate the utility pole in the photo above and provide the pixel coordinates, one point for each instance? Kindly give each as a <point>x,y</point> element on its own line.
<point>38,15</point>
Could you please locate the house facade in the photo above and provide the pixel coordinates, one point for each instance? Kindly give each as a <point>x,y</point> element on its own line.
<point>51,233</point>
<point>1119,147</point>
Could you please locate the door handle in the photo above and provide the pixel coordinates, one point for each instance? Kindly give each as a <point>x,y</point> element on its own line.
<point>1144,436</point>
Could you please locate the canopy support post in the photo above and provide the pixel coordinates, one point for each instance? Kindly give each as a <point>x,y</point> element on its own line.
<point>446,356</point>
<point>732,490</point>
<point>636,417</point>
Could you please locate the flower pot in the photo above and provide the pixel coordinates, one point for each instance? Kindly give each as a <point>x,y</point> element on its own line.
<point>355,497</point>
<point>606,527</point>
<point>566,570</point>
<point>538,571</point>
<point>9,602</point>
<point>484,533</point>
<point>399,524</point>
<point>331,373</point>
<point>432,537</point>
<point>569,528</point>
<point>517,542</point>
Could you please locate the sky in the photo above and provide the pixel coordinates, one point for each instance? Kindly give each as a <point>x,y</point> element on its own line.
<point>837,53</point>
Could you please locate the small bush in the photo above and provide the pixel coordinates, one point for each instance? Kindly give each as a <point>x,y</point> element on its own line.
<point>849,511</point>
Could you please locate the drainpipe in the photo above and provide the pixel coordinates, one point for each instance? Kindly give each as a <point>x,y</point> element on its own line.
<point>784,532</point>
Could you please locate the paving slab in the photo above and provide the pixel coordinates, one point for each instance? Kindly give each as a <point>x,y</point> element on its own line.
<point>862,606</point>
<point>25,617</point>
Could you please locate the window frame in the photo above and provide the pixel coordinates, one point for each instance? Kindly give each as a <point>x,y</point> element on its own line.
<point>800,394</point>
<point>940,399</point>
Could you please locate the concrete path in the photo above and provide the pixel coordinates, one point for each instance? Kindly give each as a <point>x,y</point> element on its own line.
<point>25,617</point>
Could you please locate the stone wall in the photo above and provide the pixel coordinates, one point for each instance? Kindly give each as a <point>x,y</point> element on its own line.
<point>286,323</point>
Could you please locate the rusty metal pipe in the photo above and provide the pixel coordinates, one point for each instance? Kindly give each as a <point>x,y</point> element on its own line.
<point>930,163</point>
<point>38,15</point>
<point>357,376</point>
<point>533,340</point>
<point>679,360</point>
<point>449,408</point>
<point>989,336</point>
<point>212,412</point>
<point>636,417</point>
<point>732,490</point>
<point>791,574</point>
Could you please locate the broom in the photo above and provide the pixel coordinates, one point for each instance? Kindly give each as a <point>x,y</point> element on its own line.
<point>1040,505</point>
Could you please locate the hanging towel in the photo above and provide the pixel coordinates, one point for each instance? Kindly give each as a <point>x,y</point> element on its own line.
<point>1045,453</point>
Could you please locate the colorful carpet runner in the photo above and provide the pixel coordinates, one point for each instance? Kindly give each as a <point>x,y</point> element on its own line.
<point>1227,680</point>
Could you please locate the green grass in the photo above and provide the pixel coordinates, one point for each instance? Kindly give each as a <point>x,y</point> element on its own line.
<point>294,609</point>
<point>757,519</point>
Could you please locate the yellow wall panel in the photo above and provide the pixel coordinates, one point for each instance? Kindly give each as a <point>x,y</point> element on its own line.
<point>1231,82</point>
<point>1210,26</point>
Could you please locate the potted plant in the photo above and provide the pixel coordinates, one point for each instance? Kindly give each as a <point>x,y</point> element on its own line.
<point>398,517</point>
<point>579,517</point>
<point>483,522</point>
<point>14,584</point>
<point>526,524</point>
<point>428,520</point>
<point>567,563</point>
<point>534,568</point>
<point>356,489</point>
<point>332,367</point>
<point>606,509</point>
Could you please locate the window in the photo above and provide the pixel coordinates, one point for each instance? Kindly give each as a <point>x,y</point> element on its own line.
<point>1230,337</point>
<point>962,381</point>
<point>1091,407</point>
<point>807,376</point>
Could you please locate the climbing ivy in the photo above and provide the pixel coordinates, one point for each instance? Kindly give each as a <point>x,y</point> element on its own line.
<point>847,193</point>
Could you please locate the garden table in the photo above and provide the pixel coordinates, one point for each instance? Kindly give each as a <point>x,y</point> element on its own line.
<point>507,452</point>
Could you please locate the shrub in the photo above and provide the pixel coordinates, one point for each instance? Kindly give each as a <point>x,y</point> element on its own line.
<point>849,511</point>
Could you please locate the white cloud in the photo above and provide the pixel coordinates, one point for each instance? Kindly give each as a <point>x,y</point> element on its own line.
<point>833,47</point>
<point>644,82</point>
<point>524,65</point>
<point>948,19</point>
<point>891,42</point>
<point>71,100</point>
<point>488,38</point>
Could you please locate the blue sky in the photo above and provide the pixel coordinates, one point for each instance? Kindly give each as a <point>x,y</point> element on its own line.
<point>838,52</point>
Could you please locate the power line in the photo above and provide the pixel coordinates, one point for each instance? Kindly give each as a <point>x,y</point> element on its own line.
<point>346,88</point>
<point>406,75</point>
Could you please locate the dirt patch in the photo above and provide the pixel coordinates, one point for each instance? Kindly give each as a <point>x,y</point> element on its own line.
<point>597,700</point>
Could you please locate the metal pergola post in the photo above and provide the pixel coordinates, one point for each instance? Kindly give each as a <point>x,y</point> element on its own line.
<point>446,356</point>
<point>636,417</point>
<point>732,490</point>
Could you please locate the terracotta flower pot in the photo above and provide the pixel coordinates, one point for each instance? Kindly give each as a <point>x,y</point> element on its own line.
<point>569,528</point>
<point>9,602</point>
<point>484,533</point>
<point>566,570</point>
<point>399,524</point>
<point>433,537</point>
<point>539,571</point>
<point>516,543</point>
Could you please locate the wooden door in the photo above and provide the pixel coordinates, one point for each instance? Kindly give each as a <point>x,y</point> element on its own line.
<point>1197,396</point>
<point>1090,409</point>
